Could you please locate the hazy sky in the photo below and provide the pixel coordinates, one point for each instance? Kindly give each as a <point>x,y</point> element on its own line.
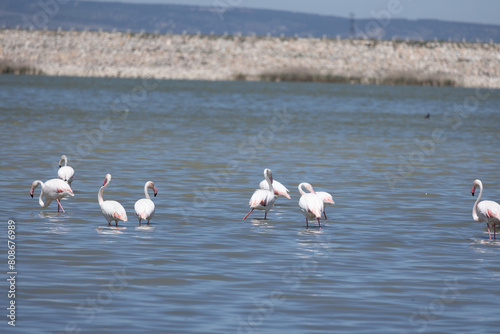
<point>475,11</point>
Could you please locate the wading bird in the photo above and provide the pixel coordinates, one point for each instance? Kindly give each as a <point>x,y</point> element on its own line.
<point>263,199</point>
<point>65,173</point>
<point>53,189</point>
<point>310,203</point>
<point>145,208</point>
<point>112,210</point>
<point>488,211</point>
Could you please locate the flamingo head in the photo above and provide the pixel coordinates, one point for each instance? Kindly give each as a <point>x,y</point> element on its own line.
<point>63,159</point>
<point>151,185</point>
<point>33,187</point>
<point>477,184</point>
<point>107,179</point>
<point>309,187</point>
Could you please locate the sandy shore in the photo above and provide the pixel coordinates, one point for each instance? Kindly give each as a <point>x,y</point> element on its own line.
<point>105,54</point>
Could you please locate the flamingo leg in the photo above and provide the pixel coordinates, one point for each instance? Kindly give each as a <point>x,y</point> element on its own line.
<point>319,223</point>
<point>265,215</point>
<point>139,221</point>
<point>248,214</point>
<point>488,230</point>
<point>59,205</point>
<point>324,212</point>
<point>307,223</point>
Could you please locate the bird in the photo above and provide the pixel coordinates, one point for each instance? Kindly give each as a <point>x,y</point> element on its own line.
<point>488,211</point>
<point>145,207</point>
<point>65,173</point>
<point>279,189</point>
<point>53,189</point>
<point>326,198</point>
<point>263,199</point>
<point>310,203</point>
<point>112,210</point>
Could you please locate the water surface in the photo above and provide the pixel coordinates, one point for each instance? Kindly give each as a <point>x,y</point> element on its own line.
<point>400,252</point>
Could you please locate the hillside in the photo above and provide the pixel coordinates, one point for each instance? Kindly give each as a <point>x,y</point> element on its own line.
<point>178,19</point>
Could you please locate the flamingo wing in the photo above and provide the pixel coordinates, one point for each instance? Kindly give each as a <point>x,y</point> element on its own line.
<point>144,208</point>
<point>311,205</point>
<point>113,210</point>
<point>279,189</point>
<point>66,173</point>
<point>56,188</point>
<point>325,197</point>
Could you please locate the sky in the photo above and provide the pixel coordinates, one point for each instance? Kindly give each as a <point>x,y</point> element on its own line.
<point>472,11</point>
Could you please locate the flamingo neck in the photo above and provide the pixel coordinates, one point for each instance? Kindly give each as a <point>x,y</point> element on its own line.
<point>146,191</point>
<point>474,208</point>
<point>301,191</point>
<point>270,183</point>
<point>100,193</point>
<point>40,198</point>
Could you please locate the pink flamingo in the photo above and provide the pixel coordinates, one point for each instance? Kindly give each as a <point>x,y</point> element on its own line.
<point>263,199</point>
<point>279,189</point>
<point>326,198</point>
<point>310,203</point>
<point>65,173</point>
<point>112,210</point>
<point>145,208</point>
<point>488,211</point>
<point>53,189</point>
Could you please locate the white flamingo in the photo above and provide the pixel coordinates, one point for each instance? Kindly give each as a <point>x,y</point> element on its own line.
<point>65,173</point>
<point>112,210</point>
<point>310,203</point>
<point>279,189</point>
<point>263,199</point>
<point>53,189</point>
<point>145,208</point>
<point>488,211</point>
<point>326,198</point>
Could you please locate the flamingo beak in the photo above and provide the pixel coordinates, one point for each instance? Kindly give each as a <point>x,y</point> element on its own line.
<point>155,190</point>
<point>473,190</point>
<point>104,183</point>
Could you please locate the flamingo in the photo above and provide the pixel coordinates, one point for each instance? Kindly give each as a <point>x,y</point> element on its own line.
<point>263,199</point>
<point>65,173</point>
<point>488,211</point>
<point>53,189</point>
<point>145,208</point>
<point>326,198</point>
<point>279,189</point>
<point>112,210</point>
<point>310,203</point>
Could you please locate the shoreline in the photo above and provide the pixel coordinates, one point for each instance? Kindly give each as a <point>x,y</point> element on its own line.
<point>252,58</point>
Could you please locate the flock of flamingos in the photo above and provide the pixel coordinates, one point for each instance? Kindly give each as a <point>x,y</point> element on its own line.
<point>312,203</point>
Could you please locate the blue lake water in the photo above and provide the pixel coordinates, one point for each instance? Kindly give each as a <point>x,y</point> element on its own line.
<point>400,252</point>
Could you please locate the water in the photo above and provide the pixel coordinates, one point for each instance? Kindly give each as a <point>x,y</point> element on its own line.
<point>400,252</point>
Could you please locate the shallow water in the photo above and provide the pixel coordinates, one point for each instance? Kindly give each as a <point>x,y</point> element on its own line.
<point>400,252</point>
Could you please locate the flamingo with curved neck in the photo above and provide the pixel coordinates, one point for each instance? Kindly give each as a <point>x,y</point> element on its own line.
<point>65,172</point>
<point>488,211</point>
<point>310,203</point>
<point>53,189</point>
<point>112,210</point>
<point>263,199</point>
<point>145,207</point>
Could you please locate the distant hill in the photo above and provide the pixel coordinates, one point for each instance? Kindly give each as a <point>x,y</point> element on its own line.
<point>224,19</point>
